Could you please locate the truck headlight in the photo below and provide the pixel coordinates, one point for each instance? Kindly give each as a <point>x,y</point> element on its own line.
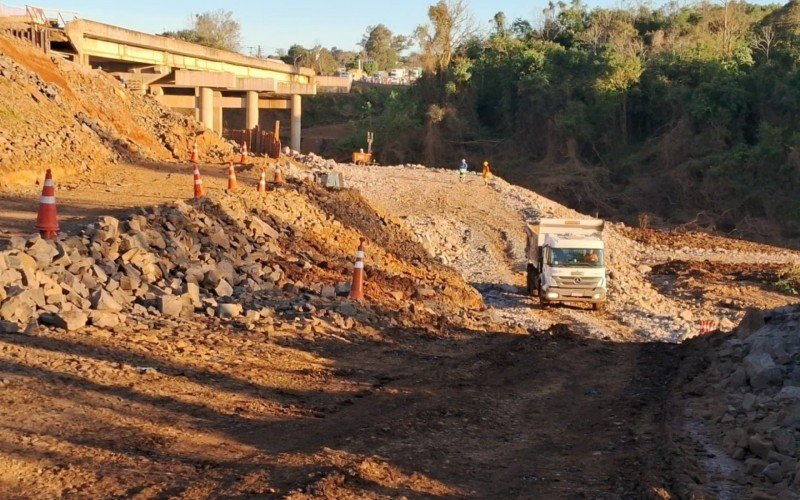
<point>552,295</point>
<point>597,296</point>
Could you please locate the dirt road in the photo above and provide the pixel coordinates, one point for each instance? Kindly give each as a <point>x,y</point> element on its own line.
<point>479,230</point>
<point>207,413</point>
<point>206,409</point>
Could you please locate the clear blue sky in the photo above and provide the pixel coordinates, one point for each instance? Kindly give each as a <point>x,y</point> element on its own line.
<point>278,24</point>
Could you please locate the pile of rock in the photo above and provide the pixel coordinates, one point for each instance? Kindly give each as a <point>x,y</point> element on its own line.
<point>173,260</point>
<point>85,118</point>
<point>57,133</point>
<point>214,257</point>
<point>316,162</point>
<point>751,391</point>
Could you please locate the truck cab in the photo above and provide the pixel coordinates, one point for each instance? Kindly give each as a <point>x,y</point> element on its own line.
<point>566,261</point>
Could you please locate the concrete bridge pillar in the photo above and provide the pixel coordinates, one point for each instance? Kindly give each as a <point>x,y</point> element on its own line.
<point>297,114</point>
<point>207,107</point>
<point>251,109</point>
<point>217,112</point>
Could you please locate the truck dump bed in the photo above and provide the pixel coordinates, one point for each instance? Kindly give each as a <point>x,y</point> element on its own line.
<point>538,230</point>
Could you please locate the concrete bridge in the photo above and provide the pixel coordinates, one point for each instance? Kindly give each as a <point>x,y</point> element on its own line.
<point>192,78</point>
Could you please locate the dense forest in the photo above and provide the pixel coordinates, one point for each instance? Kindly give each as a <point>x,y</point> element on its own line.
<point>675,115</point>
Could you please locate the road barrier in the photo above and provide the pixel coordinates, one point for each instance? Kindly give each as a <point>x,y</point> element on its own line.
<point>260,142</point>
<point>47,219</point>
<point>232,185</point>
<point>199,192</point>
<point>262,182</point>
<point>243,159</point>
<point>357,287</point>
<point>706,326</point>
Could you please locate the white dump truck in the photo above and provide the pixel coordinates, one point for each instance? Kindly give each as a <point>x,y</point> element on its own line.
<point>566,261</point>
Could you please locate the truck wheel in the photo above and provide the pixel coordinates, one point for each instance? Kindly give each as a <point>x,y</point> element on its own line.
<point>598,306</point>
<point>543,301</point>
<point>533,286</point>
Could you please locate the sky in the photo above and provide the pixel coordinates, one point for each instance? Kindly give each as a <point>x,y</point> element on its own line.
<point>273,24</point>
<point>279,24</point>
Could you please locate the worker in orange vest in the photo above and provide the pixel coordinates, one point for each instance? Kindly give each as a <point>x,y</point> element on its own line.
<point>487,173</point>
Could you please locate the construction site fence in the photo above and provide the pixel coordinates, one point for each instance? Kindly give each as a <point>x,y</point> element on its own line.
<point>34,35</point>
<point>32,24</point>
<point>39,15</point>
<point>259,142</point>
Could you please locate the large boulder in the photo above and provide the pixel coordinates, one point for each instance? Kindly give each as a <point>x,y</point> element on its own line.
<point>69,320</point>
<point>762,370</point>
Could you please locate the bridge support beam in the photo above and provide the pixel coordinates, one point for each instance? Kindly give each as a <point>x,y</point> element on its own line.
<point>207,107</point>
<point>297,114</point>
<point>217,112</point>
<point>251,109</point>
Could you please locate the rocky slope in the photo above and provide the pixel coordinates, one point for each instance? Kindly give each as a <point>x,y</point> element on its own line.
<point>219,257</point>
<point>479,230</point>
<point>740,395</point>
<point>69,118</point>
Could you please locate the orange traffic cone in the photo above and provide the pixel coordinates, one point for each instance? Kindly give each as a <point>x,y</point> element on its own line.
<point>231,177</point>
<point>706,327</point>
<point>47,220</point>
<point>262,183</point>
<point>243,159</point>
<point>195,154</point>
<point>357,287</point>
<point>199,192</point>
<point>278,175</point>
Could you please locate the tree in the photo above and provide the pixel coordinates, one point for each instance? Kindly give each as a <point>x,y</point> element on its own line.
<point>500,28</point>
<point>297,55</point>
<point>383,47</point>
<point>216,29</point>
<point>522,29</point>
<point>318,58</point>
<point>344,58</point>
<point>731,27</point>
<point>451,25</point>
<point>765,40</point>
<point>324,61</point>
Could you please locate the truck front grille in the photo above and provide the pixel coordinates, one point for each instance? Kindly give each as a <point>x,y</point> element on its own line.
<point>582,282</point>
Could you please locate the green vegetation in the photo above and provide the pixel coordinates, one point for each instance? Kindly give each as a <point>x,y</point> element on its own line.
<point>688,113</point>
<point>392,114</point>
<point>216,29</point>
<point>382,48</point>
<point>789,281</point>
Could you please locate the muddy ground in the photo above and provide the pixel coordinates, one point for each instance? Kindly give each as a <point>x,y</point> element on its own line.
<point>201,413</point>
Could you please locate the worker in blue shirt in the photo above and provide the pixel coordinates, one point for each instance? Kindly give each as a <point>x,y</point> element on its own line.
<point>462,170</point>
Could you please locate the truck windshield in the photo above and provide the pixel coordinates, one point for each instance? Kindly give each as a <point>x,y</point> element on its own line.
<point>576,257</point>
